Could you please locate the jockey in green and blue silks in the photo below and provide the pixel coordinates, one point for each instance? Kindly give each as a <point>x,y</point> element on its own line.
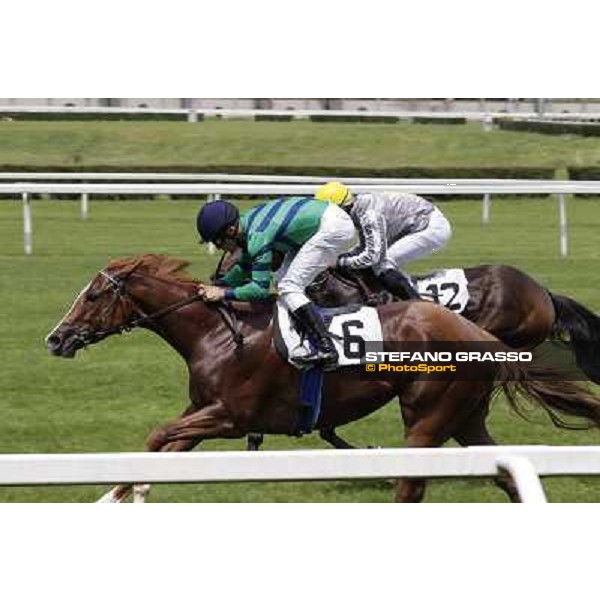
<point>310,234</point>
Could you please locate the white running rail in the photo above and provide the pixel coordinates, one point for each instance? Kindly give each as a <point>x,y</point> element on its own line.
<point>442,187</point>
<point>524,463</point>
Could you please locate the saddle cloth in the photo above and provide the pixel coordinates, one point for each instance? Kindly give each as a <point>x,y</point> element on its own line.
<point>351,328</point>
<point>448,287</point>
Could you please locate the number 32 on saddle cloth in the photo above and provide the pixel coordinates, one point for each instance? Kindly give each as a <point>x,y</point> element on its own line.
<point>447,287</point>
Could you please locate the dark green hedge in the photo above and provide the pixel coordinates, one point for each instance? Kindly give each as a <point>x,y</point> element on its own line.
<point>273,117</point>
<point>514,172</point>
<point>352,119</point>
<point>75,116</point>
<point>550,127</point>
<point>584,174</point>
<point>440,120</point>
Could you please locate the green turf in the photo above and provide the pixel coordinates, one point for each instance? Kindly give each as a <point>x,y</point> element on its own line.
<point>301,143</point>
<point>112,395</point>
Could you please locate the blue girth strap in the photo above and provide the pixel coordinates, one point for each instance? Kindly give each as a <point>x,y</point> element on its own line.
<point>311,391</point>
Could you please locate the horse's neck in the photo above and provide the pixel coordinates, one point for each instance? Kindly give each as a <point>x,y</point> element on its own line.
<point>182,327</point>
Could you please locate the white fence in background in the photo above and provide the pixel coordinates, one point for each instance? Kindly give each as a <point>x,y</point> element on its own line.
<point>524,463</point>
<point>191,114</point>
<point>428,187</point>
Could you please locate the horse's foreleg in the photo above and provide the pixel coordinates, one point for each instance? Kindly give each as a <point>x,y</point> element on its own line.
<point>209,422</point>
<point>121,492</point>
<point>140,491</point>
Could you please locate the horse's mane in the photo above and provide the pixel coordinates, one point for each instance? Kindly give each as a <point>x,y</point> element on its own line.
<point>160,266</point>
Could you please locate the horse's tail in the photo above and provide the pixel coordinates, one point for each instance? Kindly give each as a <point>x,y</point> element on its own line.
<point>549,388</point>
<point>582,327</point>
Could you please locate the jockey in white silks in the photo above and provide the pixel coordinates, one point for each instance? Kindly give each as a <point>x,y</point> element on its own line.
<point>395,229</point>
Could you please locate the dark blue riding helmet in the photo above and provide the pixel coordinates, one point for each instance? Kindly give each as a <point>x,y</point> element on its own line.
<point>214,217</point>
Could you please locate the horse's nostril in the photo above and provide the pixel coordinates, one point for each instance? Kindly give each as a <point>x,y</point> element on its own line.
<point>53,342</point>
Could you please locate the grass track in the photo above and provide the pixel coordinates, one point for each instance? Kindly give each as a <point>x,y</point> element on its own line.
<point>111,396</point>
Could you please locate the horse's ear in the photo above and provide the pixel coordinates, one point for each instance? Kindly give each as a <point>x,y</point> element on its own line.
<point>127,271</point>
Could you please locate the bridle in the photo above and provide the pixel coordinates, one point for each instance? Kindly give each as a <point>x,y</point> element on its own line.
<point>117,286</point>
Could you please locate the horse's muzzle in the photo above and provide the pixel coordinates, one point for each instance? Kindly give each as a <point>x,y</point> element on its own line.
<point>64,342</point>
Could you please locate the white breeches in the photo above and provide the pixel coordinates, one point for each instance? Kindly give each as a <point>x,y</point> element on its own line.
<point>417,245</point>
<point>335,236</point>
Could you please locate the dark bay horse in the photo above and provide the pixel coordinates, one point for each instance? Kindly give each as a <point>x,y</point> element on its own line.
<point>503,300</point>
<point>235,390</point>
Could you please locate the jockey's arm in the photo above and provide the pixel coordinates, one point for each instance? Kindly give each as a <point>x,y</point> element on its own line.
<point>373,242</point>
<point>237,275</point>
<point>257,288</point>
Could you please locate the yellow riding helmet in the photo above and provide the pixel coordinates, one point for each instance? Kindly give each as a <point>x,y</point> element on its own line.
<point>335,192</point>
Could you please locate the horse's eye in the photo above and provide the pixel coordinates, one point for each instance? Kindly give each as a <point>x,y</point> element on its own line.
<point>92,296</point>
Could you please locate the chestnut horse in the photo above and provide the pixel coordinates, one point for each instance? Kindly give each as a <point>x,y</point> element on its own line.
<point>237,389</point>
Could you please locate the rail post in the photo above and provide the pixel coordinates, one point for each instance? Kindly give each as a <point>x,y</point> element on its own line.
<point>485,214</point>
<point>564,231</point>
<point>525,477</point>
<point>27,224</point>
<point>84,206</point>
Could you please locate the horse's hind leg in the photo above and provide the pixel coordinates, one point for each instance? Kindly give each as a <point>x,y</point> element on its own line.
<point>329,435</point>
<point>412,489</point>
<point>432,412</point>
<point>254,441</point>
<point>420,433</point>
<point>474,432</point>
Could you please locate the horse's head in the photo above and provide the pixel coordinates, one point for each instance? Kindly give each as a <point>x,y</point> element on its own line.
<point>110,303</point>
<point>100,309</point>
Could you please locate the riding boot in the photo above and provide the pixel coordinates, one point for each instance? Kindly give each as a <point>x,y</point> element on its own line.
<point>310,322</point>
<point>398,284</point>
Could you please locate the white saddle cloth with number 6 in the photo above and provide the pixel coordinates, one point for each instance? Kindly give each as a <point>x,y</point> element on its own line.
<point>351,329</point>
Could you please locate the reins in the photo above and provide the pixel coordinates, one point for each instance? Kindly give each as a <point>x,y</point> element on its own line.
<point>229,318</point>
<point>118,286</point>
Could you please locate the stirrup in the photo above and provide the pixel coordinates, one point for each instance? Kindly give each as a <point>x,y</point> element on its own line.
<point>329,363</point>
<point>328,360</point>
